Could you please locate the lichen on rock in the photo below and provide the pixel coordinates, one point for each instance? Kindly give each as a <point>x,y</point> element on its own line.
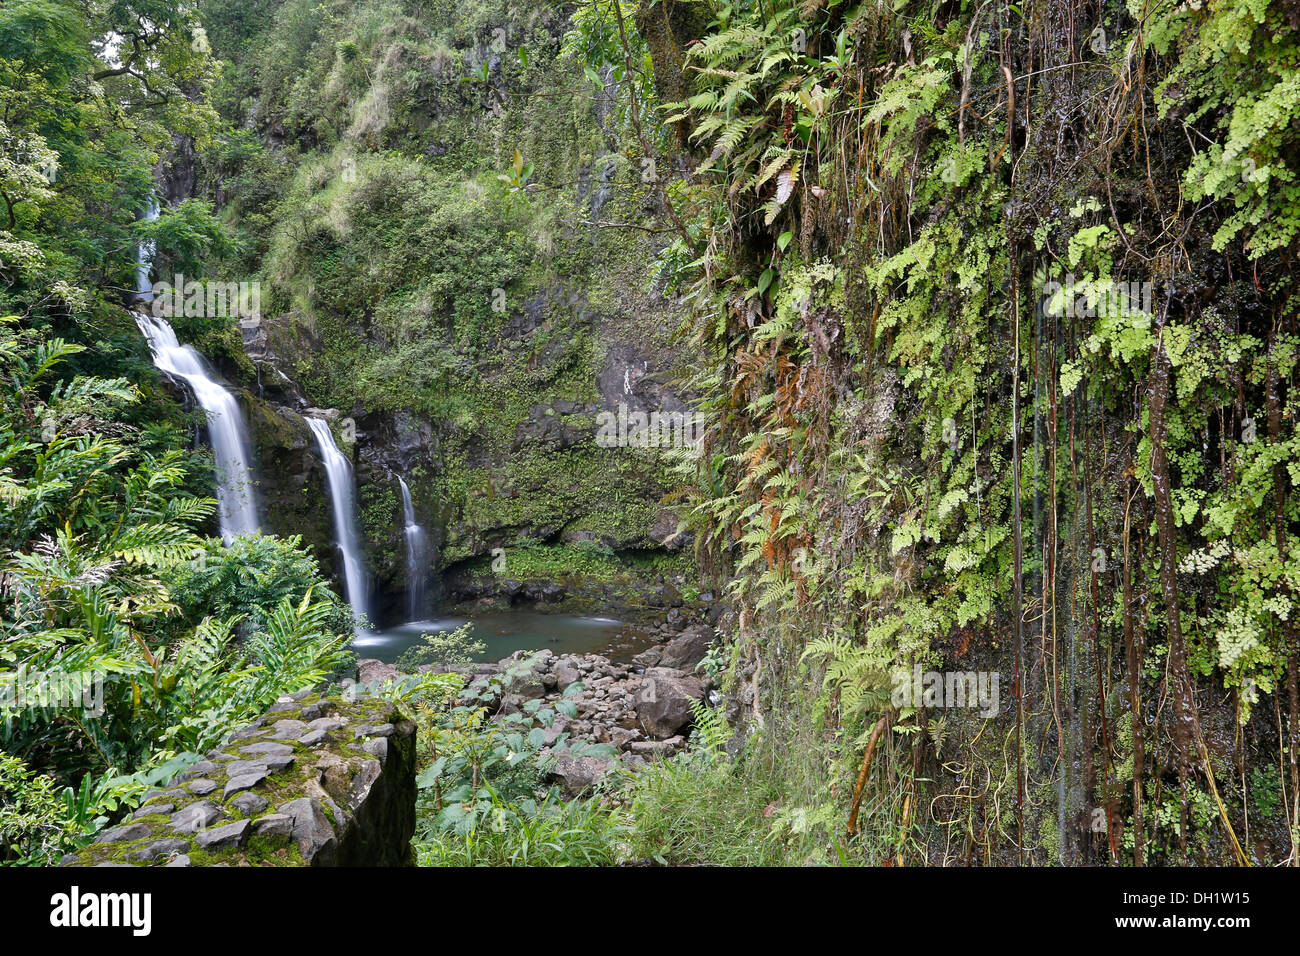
<point>316,781</point>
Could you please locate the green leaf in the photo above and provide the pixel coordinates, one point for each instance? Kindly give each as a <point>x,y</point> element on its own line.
<point>431,774</point>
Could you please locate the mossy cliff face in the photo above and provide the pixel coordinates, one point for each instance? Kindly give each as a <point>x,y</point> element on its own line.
<point>1010,393</point>
<point>292,487</point>
<point>317,781</point>
<point>459,261</point>
<point>669,27</point>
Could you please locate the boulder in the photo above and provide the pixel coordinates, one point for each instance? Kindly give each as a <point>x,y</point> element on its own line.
<point>249,804</point>
<point>649,657</point>
<point>311,829</point>
<point>663,702</point>
<point>151,851</point>
<point>566,673</point>
<point>243,782</point>
<point>527,685</point>
<point>553,733</point>
<point>195,817</point>
<point>274,826</point>
<point>370,670</point>
<point>686,650</point>
<point>652,748</point>
<point>348,800</point>
<point>228,835</point>
<point>133,831</point>
<point>580,774</point>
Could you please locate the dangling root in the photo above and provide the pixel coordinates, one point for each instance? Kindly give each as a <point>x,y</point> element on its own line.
<point>876,731</point>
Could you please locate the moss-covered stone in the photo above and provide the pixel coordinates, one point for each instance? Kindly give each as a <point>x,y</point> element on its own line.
<point>336,786</point>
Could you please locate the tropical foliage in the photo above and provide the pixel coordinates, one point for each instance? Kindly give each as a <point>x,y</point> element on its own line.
<point>130,642</point>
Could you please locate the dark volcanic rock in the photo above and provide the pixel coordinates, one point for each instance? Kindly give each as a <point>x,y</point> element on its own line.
<point>664,702</point>
<point>580,774</point>
<point>686,650</point>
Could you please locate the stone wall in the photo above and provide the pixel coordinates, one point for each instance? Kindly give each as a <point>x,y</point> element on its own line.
<point>316,781</point>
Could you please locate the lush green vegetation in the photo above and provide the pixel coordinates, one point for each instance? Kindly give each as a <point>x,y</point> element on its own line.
<point>157,639</point>
<point>429,204</point>
<point>945,438</point>
<point>483,797</point>
<point>991,309</point>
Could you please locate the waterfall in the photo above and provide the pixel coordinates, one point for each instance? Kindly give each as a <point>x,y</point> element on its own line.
<point>144,258</point>
<point>236,505</point>
<point>339,472</point>
<point>415,557</point>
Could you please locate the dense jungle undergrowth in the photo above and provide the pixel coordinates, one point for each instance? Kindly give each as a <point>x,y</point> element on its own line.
<point>990,309</point>
<point>1001,309</point>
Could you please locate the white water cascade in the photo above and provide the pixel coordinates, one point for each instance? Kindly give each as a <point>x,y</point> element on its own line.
<point>416,557</point>
<point>339,472</point>
<point>144,258</point>
<point>236,503</point>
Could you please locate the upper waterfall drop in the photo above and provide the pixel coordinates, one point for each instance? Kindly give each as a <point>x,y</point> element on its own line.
<point>144,257</point>
<point>416,556</point>
<point>236,503</point>
<point>338,471</point>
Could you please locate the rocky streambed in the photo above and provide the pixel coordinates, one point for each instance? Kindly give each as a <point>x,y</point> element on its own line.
<point>642,708</point>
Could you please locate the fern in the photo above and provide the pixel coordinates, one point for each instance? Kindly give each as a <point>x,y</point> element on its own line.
<point>711,728</point>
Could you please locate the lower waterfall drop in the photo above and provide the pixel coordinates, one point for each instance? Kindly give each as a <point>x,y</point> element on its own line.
<point>338,470</point>
<point>416,557</point>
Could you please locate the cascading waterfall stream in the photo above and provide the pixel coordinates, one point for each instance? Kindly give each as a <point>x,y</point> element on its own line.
<point>144,258</point>
<point>236,502</point>
<point>416,556</point>
<point>338,470</point>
